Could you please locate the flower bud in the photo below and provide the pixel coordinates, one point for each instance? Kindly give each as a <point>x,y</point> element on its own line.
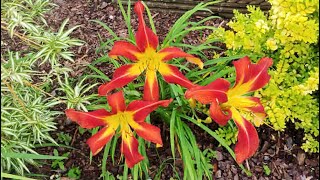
<point>192,103</point>
<point>208,120</point>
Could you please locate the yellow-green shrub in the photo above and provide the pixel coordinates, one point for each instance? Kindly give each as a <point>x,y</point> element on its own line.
<point>289,34</point>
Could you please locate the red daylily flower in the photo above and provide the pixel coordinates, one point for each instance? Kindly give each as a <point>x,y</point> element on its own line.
<point>249,77</point>
<point>145,57</point>
<point>124,118</point>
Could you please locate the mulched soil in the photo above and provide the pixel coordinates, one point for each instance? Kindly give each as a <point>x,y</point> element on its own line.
<point>278,150</point>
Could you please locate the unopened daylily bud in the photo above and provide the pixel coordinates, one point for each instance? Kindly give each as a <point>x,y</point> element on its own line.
<point>159,145</point>
<point>192,103</point>
<point>199,120</point>
<point>208,120</point>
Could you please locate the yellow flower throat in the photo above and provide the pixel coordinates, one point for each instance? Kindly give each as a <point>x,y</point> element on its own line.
<point>149,60</point>
<point>122,119</point>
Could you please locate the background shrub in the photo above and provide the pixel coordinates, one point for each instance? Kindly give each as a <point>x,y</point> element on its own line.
<point>288,34</point>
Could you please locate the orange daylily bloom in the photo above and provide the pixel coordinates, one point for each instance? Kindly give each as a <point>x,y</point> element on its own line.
<point>249,77</point>
<point>145,57</point>
<point>126,119</point>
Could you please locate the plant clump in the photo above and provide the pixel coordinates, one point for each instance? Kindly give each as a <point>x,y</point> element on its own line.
<point>289,34</point>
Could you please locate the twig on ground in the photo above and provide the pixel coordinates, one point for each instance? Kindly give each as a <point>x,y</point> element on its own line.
<point>21,36</point>
<point>74,136</point>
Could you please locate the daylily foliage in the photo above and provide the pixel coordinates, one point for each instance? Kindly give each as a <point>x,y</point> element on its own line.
<point>249,77</point>
<point>145,57</point>
<point>123,118</point>
<point>225,103</point>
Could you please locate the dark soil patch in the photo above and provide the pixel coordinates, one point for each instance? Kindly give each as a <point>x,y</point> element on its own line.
<point>279,151</point>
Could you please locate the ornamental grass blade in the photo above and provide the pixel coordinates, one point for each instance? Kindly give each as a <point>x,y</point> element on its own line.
<point>126,18</point>
<point>11,176</point>
<point>29,156</point>
<point>150,17</point>
<point>219,139</point>
<point>217,75</point>
<point>172,134</point>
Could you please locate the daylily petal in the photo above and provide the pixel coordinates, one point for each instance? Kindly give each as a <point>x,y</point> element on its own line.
<point>117,102</point>
<point>257,111</point>
<point>98,140</point>
<point>241,102</point>
<point>145,36</point>
<point>256,107</point>
<point>129,147</point>
<point>259,118</point>
<point>218,115</point>
<point>142,109</point>
<point>248,140</point>
<point>121,77</point>
<point>242,70</point>
<point>171,74</point>
<point>148,132</point>
<point>151,87</point>
<point>174,52</point>
<point>88,119</point>
<point>249,104</point>
<point>125,49</point>
<point>259,73</point>
<point>250,77</point>
<point>209,93</point>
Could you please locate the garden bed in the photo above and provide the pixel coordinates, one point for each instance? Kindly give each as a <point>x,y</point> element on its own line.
<point>279,152</point>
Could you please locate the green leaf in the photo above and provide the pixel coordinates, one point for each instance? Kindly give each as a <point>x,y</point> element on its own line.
<point>217,75</point>
<point>175,91</point>
<point>267,170</point>
<point>81,130</point>
<point>11,176</point>
<point>219,139</point>
<point>189,171</point>
<point>101,74</point>
<point>181,24</point>
<point>74,173</point>
<point>54,145</point>
<point>150,18</point>
<point>107,28</point>
<point>30,156</point>
<point>172,133</point>
<point>61,165</point>
<point>224,60</point>
<point>104,160</point>
<point>126,18</point>
<point>125,172</point>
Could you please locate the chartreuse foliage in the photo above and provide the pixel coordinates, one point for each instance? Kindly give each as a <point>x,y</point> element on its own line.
<point>142,53</point>
<point>289,34</point>
<point>229,133</point>
<point>27,115</point>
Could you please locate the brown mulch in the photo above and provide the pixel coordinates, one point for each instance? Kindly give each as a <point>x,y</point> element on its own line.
<point>278,150</point>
